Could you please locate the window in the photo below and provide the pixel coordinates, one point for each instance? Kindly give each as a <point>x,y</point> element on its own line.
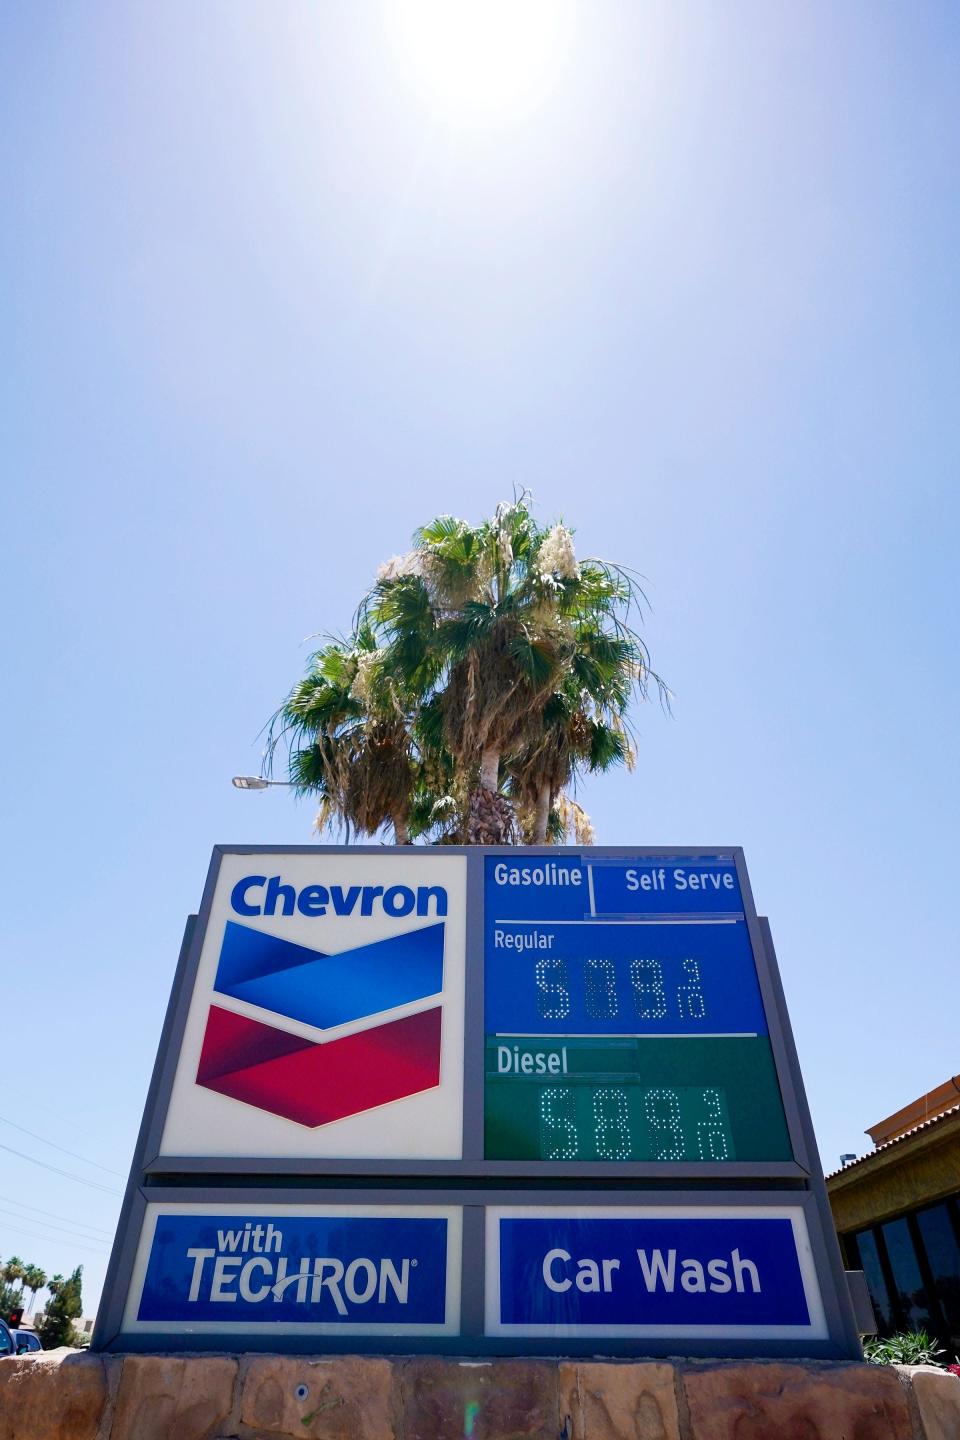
<point>939,1238</point>
<point>911,1296</point>
<point>912,1268</point>
<point>864,1245</point>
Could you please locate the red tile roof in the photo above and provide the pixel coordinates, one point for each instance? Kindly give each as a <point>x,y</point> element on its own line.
<point>888,1144</point>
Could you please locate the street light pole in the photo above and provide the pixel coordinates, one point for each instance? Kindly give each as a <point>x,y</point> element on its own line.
<point>257,782</point>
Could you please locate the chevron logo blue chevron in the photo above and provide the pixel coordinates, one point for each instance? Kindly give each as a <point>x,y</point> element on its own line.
<point>326,990</point>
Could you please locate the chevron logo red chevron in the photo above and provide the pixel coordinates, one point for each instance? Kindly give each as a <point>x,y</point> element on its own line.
<point>315,1082</point>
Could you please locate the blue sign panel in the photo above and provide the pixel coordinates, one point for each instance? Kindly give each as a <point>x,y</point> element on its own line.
<point>332,1270</point>
<point>707,886</point>
<point>583,887</point>
<point>585,978</point>
<point>618,948</point>
<point>617,1271</point>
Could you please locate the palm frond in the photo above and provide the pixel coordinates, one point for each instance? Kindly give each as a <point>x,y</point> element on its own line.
<point>491,639</point>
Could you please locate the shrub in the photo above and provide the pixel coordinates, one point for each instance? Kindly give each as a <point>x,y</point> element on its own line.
<point>64,1306</point>
<point>911,1347</point>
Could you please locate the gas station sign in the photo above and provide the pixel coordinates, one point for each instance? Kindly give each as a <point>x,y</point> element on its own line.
<point>503,1100</point>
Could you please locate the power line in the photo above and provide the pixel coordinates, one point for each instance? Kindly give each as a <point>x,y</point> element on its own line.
<point>57,1171</point>
<point>53,1214</point>
<point>46,1225</point>
<point>53,1146</point>
<point>90,1239</point>
<point>49,1240</point>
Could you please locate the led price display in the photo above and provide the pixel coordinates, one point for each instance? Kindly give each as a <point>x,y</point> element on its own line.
<point>675,1124</point>
<point>624,1019</point>
<point>633,1098</point>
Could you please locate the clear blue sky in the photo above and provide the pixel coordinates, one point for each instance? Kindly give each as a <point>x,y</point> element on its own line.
<point>268,305</point>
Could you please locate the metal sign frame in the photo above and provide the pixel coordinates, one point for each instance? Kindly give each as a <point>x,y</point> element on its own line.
<point>842,1341</point>
<point>472,1180</point>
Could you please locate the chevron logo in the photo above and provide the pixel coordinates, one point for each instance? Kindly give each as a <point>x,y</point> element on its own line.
<point>310,1081</point>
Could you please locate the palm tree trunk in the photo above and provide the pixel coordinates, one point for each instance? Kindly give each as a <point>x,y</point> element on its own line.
<point>400,833</point>
<point>489,819</point>
<point>490,768</point>
<point>541,815</point>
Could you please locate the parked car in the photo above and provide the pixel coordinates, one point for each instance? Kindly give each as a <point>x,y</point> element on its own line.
<point>17,1342</point>
<point>26,1341</point>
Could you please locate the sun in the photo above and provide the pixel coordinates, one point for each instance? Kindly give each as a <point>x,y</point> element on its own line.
<point>482,62</point>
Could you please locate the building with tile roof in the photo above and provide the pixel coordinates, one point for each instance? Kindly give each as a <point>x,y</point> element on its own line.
<point>897,1212</point>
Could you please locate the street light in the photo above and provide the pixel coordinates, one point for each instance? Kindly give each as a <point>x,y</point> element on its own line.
<point>256,782</point>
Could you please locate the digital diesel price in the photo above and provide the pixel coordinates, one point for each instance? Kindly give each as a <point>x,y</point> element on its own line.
<point>623,1016</point>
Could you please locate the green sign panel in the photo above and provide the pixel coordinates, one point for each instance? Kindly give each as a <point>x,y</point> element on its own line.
<point>633,1098</point>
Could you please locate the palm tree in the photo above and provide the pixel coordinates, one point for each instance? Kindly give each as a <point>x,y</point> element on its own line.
<point>500,624</point>
<point>34,1280</point>
<point>13,1271</point>
<point>348,740</point>
<point>573,738</point>
<point>487,654</point>
<point>584,723</point>
<point>465,629</point>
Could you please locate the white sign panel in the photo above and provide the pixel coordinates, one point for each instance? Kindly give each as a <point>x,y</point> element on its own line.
<point>326,1019</point>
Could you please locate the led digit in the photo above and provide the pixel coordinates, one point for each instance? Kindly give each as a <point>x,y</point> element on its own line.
<point>649,996</point>
<point>558,1129</point>
<point>553,988</point>
<point>711,1140</point>
<point>601,989</point>
<point>690,997</point>
<point>612,1130</point>
<point>662,1109</point>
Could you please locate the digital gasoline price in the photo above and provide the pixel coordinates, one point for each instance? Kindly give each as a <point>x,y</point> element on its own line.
<point>614,1039</point>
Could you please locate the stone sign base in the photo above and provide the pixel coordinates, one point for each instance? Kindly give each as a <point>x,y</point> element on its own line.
<point>70,1395</point>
